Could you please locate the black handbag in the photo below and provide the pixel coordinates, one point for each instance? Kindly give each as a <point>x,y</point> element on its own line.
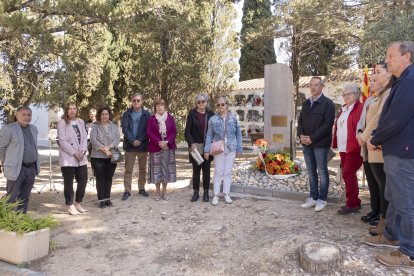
<point>116,155</point>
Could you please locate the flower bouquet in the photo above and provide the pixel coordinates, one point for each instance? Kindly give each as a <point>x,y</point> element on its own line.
<point>276,164</point>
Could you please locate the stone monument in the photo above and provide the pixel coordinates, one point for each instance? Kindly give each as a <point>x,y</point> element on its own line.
<point>279,109</point>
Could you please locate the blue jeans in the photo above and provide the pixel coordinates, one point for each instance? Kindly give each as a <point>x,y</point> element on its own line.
<point>399,191</point>
<point>317,167</point>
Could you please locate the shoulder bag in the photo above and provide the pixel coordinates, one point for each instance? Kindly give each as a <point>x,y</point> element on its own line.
<point>217,147</point>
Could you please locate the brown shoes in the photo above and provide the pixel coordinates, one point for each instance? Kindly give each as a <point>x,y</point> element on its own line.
<point>379,229</point>
<point>381,241</point>
<point>395,259</point>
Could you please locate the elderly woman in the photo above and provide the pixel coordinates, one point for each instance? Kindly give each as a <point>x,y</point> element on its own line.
<point>161,132</point>
<point>225,127</point>
<point>195,133</point>
<point>381,83</point>
<point>72,139</point>
<point>104,136</point>
<point>350,152</point>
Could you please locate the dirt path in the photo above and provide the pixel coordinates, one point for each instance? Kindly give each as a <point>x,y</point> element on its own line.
<point>249,237</point>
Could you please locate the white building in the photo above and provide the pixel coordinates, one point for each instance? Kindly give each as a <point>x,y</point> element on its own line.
<point>247,99</point>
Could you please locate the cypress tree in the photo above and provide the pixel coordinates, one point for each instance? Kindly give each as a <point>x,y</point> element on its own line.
<point>256,51</point>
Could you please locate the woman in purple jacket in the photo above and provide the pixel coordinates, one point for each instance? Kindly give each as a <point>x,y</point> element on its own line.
<point>73,138</point>
<point>161,131</point>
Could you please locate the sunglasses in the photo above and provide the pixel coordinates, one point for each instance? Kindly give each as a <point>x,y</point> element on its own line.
<point>222,104</point>
<point>347,94</point>
<point>201,102</point>
<point>136,100</point>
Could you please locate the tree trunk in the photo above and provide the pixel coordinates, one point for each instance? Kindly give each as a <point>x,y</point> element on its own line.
<point>317,257</point>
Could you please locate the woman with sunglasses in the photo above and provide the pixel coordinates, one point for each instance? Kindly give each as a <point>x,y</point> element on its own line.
<point>195,132</point>
<point>350,151</point>
<point>223,126</point>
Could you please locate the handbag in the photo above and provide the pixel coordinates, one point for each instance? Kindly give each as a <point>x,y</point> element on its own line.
<point>217,147</point>
<point>116,155</point>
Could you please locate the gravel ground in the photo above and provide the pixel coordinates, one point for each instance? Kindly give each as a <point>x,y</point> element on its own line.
<point>252,236</point>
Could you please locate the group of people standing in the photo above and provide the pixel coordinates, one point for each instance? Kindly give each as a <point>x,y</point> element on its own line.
<point>144,134</point>
<point>379,134</point>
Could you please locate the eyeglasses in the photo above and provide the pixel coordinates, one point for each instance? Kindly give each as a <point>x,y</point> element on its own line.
<point>201,102</point>
<point>222,104</point>
<point>136,100</point>
<point>347,94</point>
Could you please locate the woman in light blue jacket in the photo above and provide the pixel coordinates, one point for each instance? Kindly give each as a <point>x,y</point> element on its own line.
<point>223,162</point>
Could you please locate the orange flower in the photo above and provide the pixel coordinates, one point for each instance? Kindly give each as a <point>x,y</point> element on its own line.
<point>261,143</point>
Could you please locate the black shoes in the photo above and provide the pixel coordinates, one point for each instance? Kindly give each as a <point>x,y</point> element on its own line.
<point>205,196</point>
<point>374,221</point>
<point>347,210</point>
<point>126,195</point>
<point>143,193</point>
<point>370,216</point>
<point>108,203</point>
<point>195,196</point>
<point>102,204</point>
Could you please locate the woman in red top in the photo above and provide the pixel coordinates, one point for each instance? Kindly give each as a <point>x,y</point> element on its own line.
<point>161,132</point>
<point>345,141</point>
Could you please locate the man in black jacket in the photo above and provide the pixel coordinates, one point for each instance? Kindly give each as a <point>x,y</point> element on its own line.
<point>134,127</point>
<point>315,132</point>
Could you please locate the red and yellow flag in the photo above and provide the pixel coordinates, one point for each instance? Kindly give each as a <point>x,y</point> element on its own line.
<point>365,90</point>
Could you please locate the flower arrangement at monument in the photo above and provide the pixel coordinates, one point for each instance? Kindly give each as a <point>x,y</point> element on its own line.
<point>274,162</point>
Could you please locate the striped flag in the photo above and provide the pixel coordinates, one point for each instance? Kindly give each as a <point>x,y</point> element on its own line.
<point>365,90</point>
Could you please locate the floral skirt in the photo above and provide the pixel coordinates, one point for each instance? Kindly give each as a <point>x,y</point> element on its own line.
<point>162,166</point>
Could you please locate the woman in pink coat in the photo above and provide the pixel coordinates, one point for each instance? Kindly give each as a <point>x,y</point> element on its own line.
<point>72,139</point>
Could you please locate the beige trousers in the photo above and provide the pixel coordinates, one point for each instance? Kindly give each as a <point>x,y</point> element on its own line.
<point>142,169</point>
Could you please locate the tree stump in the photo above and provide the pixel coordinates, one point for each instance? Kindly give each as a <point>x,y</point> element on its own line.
<point>317,257</point>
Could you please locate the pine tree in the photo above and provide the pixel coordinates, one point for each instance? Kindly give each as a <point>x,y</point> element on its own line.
<point>257,50</point>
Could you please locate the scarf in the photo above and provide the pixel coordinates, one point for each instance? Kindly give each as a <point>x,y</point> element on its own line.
<point>161,123</point>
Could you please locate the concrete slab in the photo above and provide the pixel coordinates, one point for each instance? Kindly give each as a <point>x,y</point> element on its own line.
<point>12,270</point>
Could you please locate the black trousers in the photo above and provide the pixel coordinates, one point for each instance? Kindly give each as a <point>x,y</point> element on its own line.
<point>205,167</point>
<point>104,171</point>
<point>373,188</point>
<point>21,188</point>
<point>81,175</point>
<point>379,175</point>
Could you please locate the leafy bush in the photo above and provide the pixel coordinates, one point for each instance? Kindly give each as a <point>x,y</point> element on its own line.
<point>15,221</point>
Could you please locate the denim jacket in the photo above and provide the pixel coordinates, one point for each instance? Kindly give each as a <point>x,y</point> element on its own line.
<point>215,133</point>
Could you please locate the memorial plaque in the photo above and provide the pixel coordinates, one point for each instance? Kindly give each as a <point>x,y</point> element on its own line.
<point>278,138</point>
<point>279,121</point>
<point>279,108</point>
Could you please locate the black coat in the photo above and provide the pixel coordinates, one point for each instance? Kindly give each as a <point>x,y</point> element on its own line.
<point>317,121</point>
<point>192,129</point>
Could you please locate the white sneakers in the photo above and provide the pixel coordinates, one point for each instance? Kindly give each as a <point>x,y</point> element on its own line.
<point>318,204</point>
<point>309,203</point>
<point>215,200</point>
<point>227,200</point>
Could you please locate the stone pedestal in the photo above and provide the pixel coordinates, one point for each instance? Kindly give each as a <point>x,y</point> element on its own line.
<point>279,109</point>
<point>22,248</point>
